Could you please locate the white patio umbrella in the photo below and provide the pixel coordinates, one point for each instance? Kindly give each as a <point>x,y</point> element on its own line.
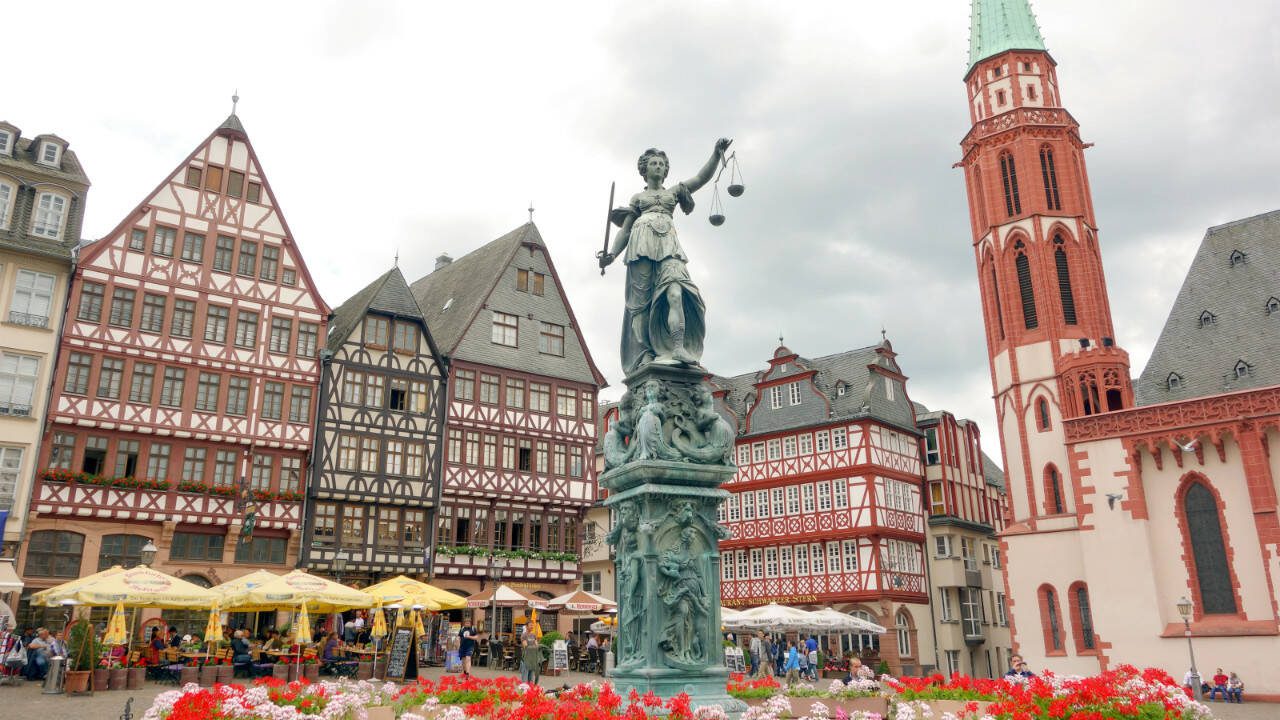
<point>775,617</point>
<point>727,614</point>
<point>837,621</point>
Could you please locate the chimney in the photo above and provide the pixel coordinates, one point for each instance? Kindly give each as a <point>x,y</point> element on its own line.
<point>443,260</point>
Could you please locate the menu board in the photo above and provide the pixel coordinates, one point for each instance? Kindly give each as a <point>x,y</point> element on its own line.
<point>398,654</point>
<point>733,659</point>
<point>560,655</point>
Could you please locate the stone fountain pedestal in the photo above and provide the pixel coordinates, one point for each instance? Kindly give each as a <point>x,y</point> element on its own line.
<point>666,493</point>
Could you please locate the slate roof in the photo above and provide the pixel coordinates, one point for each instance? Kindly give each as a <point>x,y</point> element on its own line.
<point>451,296</point>
<point>22,165</point>
<point>849,367</point>
<point>232,123</point>
<point>991,470</point>
<point>996,26</point>
<point>1236,293</point>
<point>389,294</point>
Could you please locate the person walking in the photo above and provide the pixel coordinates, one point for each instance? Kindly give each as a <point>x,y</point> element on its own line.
<point>466,647</point>
<point>531,660</point>
<point>766,655</point>
<point>792,665</point>
<point>756,648</point>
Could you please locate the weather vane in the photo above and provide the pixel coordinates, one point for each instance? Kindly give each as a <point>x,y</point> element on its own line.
<point>235,100</point>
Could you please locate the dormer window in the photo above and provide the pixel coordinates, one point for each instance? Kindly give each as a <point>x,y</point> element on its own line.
<point>1238,258</point>
<point>50,153</point>
<point>1174,381</point>
<point>7,194</point>
<point>6,142</point>
<point>1273,305</point>
<point>1243,369</point>
<point>1207,318</point>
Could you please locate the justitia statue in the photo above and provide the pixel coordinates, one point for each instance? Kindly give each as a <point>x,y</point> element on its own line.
<point>666,456</point>
<point>665,318</point>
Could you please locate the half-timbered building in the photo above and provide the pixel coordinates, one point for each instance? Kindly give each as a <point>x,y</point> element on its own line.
<point>183,397</point>
<point>520,428</point>
<point>966,504</point>
<point>376,467</point>
<point>825,509</point>
<point>42,199</point>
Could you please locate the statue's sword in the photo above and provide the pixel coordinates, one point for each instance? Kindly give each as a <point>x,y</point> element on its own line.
<point>607,215</point>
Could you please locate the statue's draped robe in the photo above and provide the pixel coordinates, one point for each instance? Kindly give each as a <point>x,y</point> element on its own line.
<point>655,261</point>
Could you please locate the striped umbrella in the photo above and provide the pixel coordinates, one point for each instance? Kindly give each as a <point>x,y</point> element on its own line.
<point>117,630</point>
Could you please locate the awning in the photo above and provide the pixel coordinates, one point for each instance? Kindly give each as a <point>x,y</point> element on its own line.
<point>9,580</point>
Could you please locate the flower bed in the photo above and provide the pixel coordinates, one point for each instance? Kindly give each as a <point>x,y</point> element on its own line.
<point>451,698</point>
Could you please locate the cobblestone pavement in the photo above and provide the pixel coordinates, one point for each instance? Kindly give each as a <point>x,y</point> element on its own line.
<point>26,702</point>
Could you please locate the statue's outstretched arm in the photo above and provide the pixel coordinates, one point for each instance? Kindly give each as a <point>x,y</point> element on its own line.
<point>704,175</point>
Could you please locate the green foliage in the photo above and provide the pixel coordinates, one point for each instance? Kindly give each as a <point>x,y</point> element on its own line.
<point>882,668</point>
<point>755,693</point>
<point>480,552</point>
<point>82,646</point>
<point>549,639</point>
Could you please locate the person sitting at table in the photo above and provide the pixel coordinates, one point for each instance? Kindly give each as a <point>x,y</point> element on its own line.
<point>332,648</point>
<point>174,639</point>
<point>273,641</point>
<point>240,648</point>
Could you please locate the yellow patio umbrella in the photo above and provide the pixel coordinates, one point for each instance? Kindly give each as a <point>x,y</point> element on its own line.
<point>407,591</point>
<point>293,589</point>
<point>534,627</point>
<point>302,628</point>
<point>136,587</point>
<point>213,628</point>
<point>418,630</point>
<point>117,630</point>
<point>379,629</point>
<point>39,599</point>
<point>244,583</point>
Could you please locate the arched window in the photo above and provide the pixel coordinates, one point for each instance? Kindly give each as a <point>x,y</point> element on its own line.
<point>1051,620</point>
<point>1082,617</point>
<point>1208,550</point>
<point>864,641</point>
<point>1042,413</point>
<point>903,627</point>
<point>1050,176</point>
<point>1025,288</point>
<point>1009,179</point>
<point>995,293</point>
<point>123,550</point>
<point>1064,282</point>
<point>54,553</point>
<point>1053,504</point>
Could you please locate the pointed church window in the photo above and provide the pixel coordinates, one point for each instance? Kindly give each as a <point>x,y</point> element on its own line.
<point>1204,533</point>
<point>1064,282</point>
<point>1042,412</point>
<point>1207,318</point>
<point>1049,174</point>
<point>1023,266</point>
<point>1009,178</point>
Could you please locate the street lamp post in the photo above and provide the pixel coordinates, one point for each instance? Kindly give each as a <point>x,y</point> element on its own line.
<point>495,574</point>
<point>1184,609</point>
<point>339,565</point>
<point>148,554</point>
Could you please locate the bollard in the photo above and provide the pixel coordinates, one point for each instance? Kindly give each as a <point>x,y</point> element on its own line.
<point>53,678</point>
<point>608,663</point>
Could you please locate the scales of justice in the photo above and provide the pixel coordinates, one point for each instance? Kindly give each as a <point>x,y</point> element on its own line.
<point>669,451</point>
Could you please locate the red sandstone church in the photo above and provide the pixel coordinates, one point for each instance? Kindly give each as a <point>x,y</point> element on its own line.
<point>1125,499</point>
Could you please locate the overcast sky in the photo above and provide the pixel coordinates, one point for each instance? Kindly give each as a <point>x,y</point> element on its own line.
<point>422,128</point>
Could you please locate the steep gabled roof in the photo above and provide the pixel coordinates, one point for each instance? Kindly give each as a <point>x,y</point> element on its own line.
<point>451,296</point>
<point>1236,271</point>
<point>863,397</point>
<point>390,295</point>
<point>232,129</point>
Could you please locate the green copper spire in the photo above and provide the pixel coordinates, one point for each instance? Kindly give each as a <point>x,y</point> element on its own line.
<point>999,25</point>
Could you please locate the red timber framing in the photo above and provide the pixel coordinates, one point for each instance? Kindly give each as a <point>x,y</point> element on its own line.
<point>825,514</point>
<point>188,359</point>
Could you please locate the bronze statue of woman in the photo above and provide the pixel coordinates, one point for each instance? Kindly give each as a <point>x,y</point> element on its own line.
<point>665,318</point>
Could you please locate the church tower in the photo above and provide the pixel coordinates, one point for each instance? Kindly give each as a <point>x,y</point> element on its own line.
<point>1044,299</point>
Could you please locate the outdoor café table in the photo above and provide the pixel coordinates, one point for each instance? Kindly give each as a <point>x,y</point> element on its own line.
<point>195,656</point>
<point>360,651</point>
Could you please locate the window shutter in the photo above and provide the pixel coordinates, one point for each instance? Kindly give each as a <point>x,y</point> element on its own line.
<point>1028,292</point>
<point>1064,285</point>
